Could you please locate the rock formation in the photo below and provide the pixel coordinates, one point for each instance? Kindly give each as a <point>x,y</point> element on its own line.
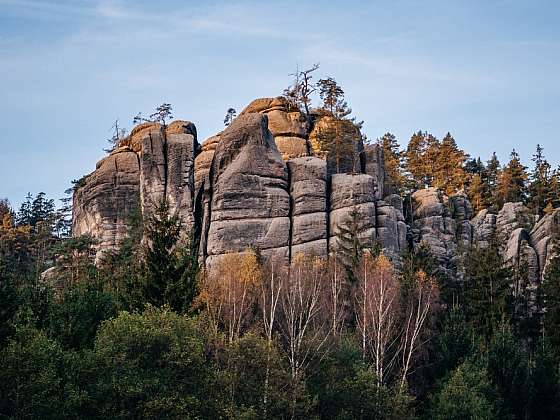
<point>256,184</point>
<point>151,164</point>
<point>265,182</point>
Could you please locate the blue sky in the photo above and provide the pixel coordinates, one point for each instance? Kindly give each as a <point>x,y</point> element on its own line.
<point>487,71</point>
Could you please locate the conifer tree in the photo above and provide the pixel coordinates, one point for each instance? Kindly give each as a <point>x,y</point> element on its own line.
<point>540,183</point>
<point>511,186</point>
<point>490,180</point>
<point>487,288</point>
<point>394,178</point>
<point>449,171</point>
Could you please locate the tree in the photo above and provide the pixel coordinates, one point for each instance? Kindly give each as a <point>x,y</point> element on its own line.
<point>299,93</point>
<point>230,290</point>
<point>467,394</point>
<point>336,139</point>
<point>152,365</point>
<point>454,342</point>
<point>551,297</point>
<point>377,313</point>
<point>508,370</point>
<point>78,314</point>
<point>511,181</point>
<point>540,183</point>
<point>394,157</point>
<point>492,174</point>
<point>30,377</point>
<point>162,114</point>
<point>419,304</point>
<point>304,331</point>
<point>487,288</point>
<point>350,241</point>
<point>545,401</point>
<point>118,133</point>
<point>449,173</point>
<point>332,96</point>
<point>170,261</point>
<point>230,115</point>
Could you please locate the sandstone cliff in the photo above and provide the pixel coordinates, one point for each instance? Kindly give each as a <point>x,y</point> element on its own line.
<point>258,183</point>
<point>264,182</point>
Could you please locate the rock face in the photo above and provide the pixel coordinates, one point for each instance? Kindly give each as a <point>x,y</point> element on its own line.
<point>250,203</point>
<point>287,125</point>
<point>308,192</point>
<point>134,178</point>
<point>265,182</point>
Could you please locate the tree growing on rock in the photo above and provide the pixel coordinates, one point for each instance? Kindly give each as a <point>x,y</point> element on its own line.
<point>299,93</point>
<point>511,185</point>
<point>117,134</point>
<point>230,115</point>
<point>394,157</point>
<point>332,96</point>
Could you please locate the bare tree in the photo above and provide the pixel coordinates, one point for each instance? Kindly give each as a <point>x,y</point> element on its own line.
<point>274,274</point>
<point>229,291</point>
<point>377,312</point>
<point>337,295</point>
<point>299,93</point>
<point>304,330</point>
<point>421,303</point>
<point>118,133</point>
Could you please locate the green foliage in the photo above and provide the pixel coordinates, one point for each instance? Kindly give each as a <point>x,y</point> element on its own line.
<point>394,159</point>
<point>30,381</point>
<point>508,370</point>
<point>467,394</point>
<point>551,292</point>
<point>152,366</point>
<point>170,266</point>
<point>487,288</point>
<point>77,315</point>
<point>545,401</point>
<point>454,343</point>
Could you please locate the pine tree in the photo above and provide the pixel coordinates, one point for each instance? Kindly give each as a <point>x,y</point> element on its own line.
<point>540,183</point>
<point>230,115</point>
<point>449,174</point>
<point>490,181</point>
<point>487,288</point>
<point>171,264</point>
<point>394,178</point>
<point>332,96</point>
<point>415,162</point>
<point>511,185</point>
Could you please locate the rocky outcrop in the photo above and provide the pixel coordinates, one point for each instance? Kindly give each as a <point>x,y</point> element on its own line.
<point>541,237</point>
<point>345,140</point>
<point>391,228</point>
<point>288,125</point>
<point>105,199</point>
<point>374,165</point>
<point>308,192</point>
<point>134,178</point>
<point>250,205</point>
<point>352,200</point>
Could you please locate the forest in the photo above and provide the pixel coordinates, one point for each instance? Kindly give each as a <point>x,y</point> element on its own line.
<point>149,332</point>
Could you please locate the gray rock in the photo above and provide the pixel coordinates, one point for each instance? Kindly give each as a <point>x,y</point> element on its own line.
<point>250,203</point>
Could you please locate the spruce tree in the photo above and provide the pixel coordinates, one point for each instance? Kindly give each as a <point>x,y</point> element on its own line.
<point>540,183</point>
<point>394,178</point>
<point>511,185</point>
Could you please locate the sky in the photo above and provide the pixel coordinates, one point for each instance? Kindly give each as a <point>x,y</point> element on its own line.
<point>486,71</point>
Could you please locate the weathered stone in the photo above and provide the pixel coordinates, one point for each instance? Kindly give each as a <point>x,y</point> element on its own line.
<point>484,226</point>
<point>375,166</point>
<point>250,204</point>
<point>148,166</point>
<point>511,217</point>
<point>308,192</point>
<point>352,193</point>
<point>106,199</point>
<point>287,125</point>
<point>541,238</point>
